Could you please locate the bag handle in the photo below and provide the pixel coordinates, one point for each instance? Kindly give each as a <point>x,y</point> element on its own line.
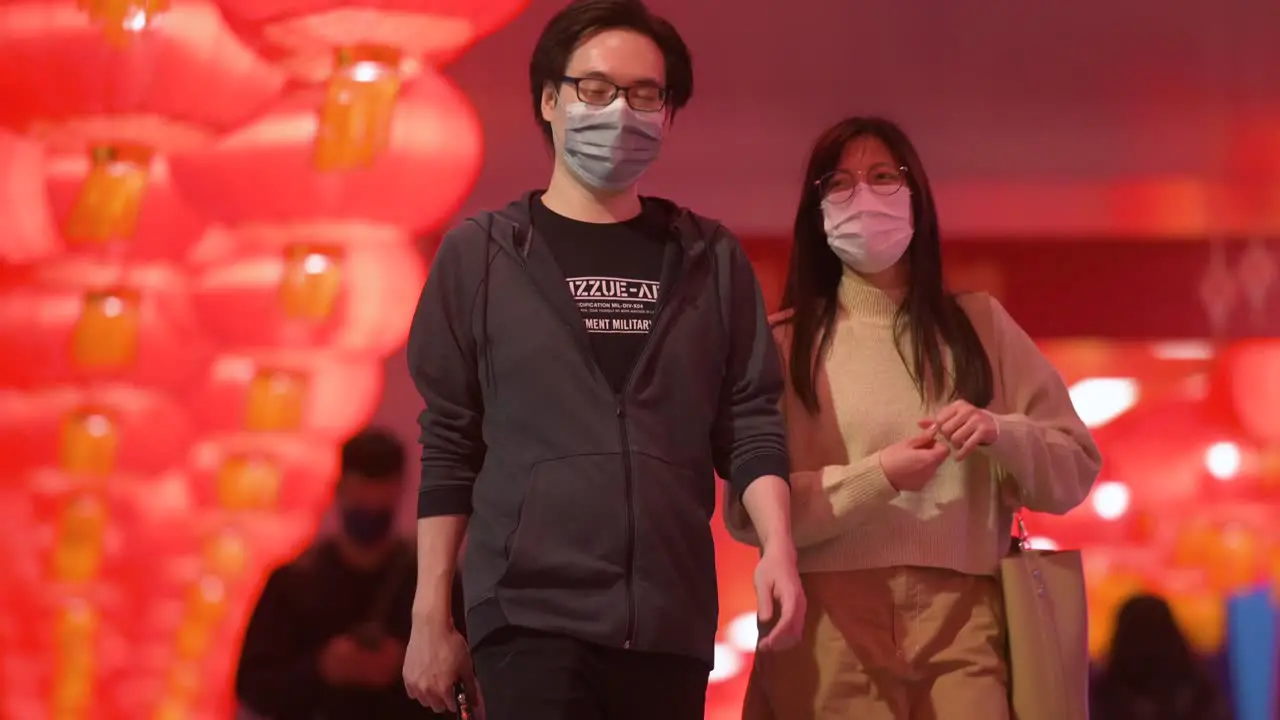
<point>1023,538</point>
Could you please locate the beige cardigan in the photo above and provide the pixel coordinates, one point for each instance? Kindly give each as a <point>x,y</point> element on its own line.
<point>846,515</point>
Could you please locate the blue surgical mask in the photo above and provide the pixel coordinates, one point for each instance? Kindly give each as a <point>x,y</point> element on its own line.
<point>367,526</point>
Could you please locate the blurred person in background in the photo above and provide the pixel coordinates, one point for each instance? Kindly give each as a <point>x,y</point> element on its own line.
<point>589,359</point>
<point>918,422</point>
<point>1151,672</point>
<point>327,638</point>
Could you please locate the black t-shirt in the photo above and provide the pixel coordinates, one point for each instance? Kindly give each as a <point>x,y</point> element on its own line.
<point>614,273</point>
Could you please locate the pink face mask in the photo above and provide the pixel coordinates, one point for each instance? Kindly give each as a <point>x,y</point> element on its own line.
<point>869,232</point>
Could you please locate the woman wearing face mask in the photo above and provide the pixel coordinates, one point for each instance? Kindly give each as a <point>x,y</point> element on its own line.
<point>918,422</point>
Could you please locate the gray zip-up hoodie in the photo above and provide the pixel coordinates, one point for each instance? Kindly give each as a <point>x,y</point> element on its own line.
<point>589,510</point>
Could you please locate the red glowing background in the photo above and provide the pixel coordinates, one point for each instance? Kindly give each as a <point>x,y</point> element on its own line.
<point>210,224</point>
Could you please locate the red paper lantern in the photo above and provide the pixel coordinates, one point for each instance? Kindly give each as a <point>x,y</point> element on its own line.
<point>1252,374</point>
<point>432,160</point>
<point>1159,448</point>
<point>117,81</point>
<point>93,432</point>
<point>317,394</point>
<point>80,321</point>
<point>304,36</point>
<point>284,475</point>
<point>26,225</point>
<point>158,74</point>
<point>295,290</point>
<point>147,223</point>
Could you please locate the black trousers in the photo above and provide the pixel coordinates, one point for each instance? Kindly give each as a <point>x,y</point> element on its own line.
<point>527,675</point>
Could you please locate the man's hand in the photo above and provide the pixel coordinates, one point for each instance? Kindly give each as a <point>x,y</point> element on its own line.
<point>910,464</point>
<point>341,662</point>
<point>964,426</point>
<point>780,597</point>
<point>435,660</point>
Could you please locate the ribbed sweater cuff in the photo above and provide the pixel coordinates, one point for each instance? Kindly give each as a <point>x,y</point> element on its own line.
<point>859,484</point>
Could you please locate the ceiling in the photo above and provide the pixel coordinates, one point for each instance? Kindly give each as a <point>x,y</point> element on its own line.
<point>1034,119</point>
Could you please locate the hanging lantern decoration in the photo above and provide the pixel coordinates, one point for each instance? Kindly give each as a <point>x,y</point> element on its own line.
<point>248,473</point>
<point>99,322</point>
<point>26,225</point>
<point>118,81</point>
<point>179,81</point>
<point>276,289</point>
<point>120,206</point>
<point>1250,369</point>
<point>307,38</point>
<point>91,433</point>
<point>432,159</point>
<point>355,120</point>
<point>122,20</point>
<point>319,395</point>
<point>178,377</point>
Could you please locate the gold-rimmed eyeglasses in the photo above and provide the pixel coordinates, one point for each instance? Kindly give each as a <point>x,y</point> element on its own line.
<point>642,97</point>
<point>883,179</point>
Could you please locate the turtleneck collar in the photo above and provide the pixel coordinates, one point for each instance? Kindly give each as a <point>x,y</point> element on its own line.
<point>867,302</point>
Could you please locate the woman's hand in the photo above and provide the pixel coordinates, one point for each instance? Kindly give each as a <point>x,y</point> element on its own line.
<point>964,427</point>
<point>910,464</point>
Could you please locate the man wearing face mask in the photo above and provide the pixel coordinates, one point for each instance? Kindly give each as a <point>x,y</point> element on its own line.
<point>327,637</point>
<point>590,358</point>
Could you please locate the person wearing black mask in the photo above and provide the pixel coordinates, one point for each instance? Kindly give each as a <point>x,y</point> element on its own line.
<point>327,637</point>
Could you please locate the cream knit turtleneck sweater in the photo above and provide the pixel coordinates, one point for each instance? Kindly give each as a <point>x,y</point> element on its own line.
<point>846,515</point>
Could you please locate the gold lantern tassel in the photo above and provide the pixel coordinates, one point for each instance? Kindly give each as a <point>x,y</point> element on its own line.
<point>226,555</point>
<point>74,630</point>
<point>355,122</point>
<point>105,336</point>
<point>311,283</point>
<point>173,708</point>
<point>77,552</point>
<point>182,690</point>
<point>122,20</point>
<point>110,198</point>
<point>88,444</point>
<point>205,609</point>
<point>275,401</point>
<point>248,483</point>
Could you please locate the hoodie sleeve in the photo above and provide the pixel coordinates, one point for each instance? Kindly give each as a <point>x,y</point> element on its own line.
<point>1042,446</point>
<point>749,438</point>
<point>443,358</point>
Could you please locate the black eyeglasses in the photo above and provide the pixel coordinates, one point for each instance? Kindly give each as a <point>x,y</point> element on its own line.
<point>883,179</point>
<point>644,97</point>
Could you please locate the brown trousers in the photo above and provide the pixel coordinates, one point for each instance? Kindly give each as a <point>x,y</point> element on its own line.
<point>889,644</point>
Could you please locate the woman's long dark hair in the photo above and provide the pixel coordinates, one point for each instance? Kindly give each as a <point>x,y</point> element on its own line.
<point>1150,663</point>
<point>928,314</point>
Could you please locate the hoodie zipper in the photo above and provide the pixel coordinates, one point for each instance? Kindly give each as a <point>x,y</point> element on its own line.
<point>627,471</point>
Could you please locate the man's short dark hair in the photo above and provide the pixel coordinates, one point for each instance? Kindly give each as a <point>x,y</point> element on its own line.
<point>375,454</point>
<point>581,20</point>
